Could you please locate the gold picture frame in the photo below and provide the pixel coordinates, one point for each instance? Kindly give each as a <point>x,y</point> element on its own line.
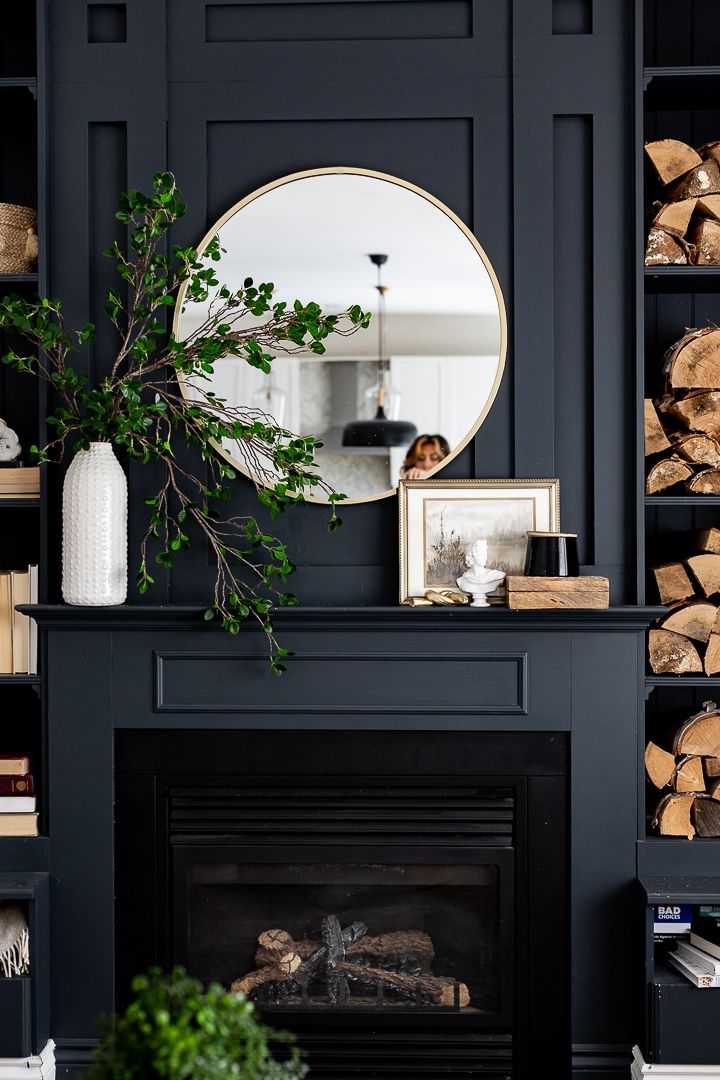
<point>439,518</point>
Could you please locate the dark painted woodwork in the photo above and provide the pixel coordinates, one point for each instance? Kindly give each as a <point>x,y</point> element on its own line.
<point>101,676</point>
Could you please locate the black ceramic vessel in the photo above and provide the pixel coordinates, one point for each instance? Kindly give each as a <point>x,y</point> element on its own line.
<point>551,554</point>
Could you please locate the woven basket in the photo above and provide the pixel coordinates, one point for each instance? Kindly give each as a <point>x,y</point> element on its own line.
<point>18,239</point>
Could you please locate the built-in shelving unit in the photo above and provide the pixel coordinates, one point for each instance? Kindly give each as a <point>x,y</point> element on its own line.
<point>677,95</point>
<point>24,1009</point>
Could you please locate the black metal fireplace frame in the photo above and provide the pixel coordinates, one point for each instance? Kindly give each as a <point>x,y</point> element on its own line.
<point>150,765</point>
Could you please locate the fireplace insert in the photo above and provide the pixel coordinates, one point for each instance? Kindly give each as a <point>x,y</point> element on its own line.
<point>390,905</point>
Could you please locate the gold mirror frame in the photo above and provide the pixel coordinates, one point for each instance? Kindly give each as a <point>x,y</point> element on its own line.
<point>339,170</point>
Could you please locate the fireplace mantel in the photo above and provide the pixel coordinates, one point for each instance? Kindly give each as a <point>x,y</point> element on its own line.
<point>354,670</point>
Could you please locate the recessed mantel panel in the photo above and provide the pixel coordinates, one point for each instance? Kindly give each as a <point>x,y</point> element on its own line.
<point>463,684</point>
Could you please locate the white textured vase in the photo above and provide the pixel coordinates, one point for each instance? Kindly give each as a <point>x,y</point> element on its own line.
<point>94,553</point>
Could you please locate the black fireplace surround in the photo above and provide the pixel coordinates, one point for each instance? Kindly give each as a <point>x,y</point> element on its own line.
<point>430,832</point>
<point>472,778</point>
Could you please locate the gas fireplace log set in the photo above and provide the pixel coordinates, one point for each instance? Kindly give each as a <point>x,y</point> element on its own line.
<point>345,963</point>
<point>692,773</point>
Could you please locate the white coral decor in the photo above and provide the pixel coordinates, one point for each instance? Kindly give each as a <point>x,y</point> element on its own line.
<point>94,556</point>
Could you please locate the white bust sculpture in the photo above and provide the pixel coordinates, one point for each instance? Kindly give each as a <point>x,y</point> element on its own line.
<point>9,443</point>
<point>479,580</point>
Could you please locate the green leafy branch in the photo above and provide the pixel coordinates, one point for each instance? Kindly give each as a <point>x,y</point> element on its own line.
<point>159,388</point>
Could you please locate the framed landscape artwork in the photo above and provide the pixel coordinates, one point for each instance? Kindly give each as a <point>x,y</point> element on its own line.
<point>440,518</point>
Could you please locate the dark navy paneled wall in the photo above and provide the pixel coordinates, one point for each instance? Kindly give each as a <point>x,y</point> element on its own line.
<point>515,114</point>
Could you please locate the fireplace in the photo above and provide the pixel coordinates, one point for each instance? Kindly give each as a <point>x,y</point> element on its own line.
<point>383,911</point>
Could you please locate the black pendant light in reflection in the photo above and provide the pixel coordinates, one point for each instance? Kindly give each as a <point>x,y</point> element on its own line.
<point>380,431</point>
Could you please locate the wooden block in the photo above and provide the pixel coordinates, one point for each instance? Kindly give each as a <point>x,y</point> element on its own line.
<point>557,592</point>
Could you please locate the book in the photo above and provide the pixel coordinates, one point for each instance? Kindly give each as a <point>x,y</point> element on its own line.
<point>672,918</point>
<point>694,974</point>
<point>17,804</point>
<point>33,596</point>
<point>20,594</point>
<point>642,1069</point>
<point>699,957</point>
<point>704,944</point>
<point>5,625</point>
<point>18,824</point>
<point>14,764</point>
<point>707,926</point>
<point>17,785</point>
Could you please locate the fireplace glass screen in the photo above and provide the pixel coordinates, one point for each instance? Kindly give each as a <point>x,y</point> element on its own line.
<point>318,936</point>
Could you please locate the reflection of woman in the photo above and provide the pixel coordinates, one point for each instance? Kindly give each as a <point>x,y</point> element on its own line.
<point>423,455</point>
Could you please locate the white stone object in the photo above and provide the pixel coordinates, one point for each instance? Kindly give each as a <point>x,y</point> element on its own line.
<point>94,555</point>
<point>479,579</point>
<point>9,443</point>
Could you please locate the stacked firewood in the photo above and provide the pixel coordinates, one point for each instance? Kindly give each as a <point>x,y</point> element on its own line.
<point>691,772</point>
<point>345,965</point>
<point>685,220</point>
<point>687,640</point>
<point>682,428</point>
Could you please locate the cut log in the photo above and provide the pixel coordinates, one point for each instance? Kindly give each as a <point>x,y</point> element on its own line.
<point>699,411</point>
<point>700,734</point>
<point>712,769</point>
<point>710,151</point>
<point>666,473</point>
<point>673,583</point>
<point>706,814</point>
<point>694,620</point>
<point>705,238</point>
<point>706,482</point>
<point>689,775</point>
<point>655,438</point>
<point>283,970</point>
<point>659,765</point>
<point>436,989</point>
<point>706,571</point>
<point>673,816</point>
<point>708,540</point>
<point>693,362</point>
<point>664,248</point>
<point>709,206</point>
<point>711,660</point>
<point>714,791</point>
<point>672,654</point>
<point>703,179</point>
<point>675,217</point>
<point>408,943</point>
<point>699,449</point>
<point>671,158</point>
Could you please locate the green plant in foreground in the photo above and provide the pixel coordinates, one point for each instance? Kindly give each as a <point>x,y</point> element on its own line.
<point>174,1029</point>
<point>139,407</point>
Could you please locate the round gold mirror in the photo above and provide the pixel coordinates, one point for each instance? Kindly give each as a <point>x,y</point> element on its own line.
<point>405,395</point>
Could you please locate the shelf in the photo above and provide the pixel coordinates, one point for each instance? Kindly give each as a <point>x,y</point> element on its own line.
<point>682,680</point>
<point>20,680</point>
<point>18,504</point>
<point>13,279</point>
<point>682,279</point>
<point>682,500</point>
<point>12,81</point>
<point>676,88</point>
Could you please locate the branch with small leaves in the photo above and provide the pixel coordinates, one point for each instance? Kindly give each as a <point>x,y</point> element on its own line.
<point>159,389</point>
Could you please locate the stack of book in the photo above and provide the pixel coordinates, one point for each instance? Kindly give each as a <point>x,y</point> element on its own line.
<point>699,959</point>
<point>20,483</point>
<point>18,633</point>
<point>18,805</point>
<point>38,1067</point>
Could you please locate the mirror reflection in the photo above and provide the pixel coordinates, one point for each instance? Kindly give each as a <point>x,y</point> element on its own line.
<point>402,397</point>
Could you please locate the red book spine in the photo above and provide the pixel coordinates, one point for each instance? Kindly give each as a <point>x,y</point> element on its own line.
<point>17,785</point>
